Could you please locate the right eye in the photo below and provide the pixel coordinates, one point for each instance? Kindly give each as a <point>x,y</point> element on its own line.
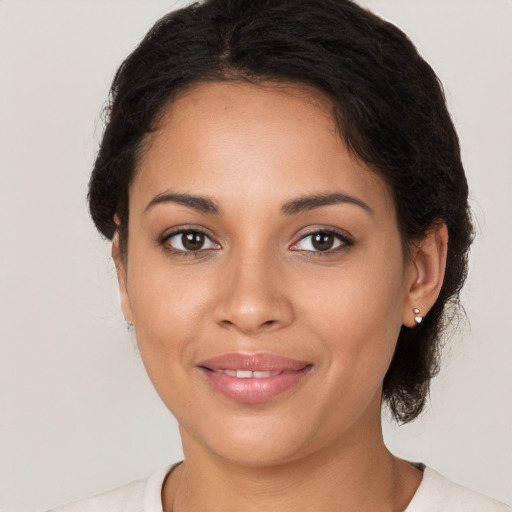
<point>190,240</point>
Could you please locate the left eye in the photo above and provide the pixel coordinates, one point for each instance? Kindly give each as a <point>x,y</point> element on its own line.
<point>319,241</point>
<point>190,241</point>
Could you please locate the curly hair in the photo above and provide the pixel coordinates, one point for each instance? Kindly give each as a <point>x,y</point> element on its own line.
<point>388,104</point>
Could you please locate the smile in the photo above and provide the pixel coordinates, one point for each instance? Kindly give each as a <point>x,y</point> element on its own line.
<point>253,378</point>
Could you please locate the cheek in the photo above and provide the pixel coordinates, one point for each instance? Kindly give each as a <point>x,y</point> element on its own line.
<point>357,313</point>
<point>356,325</point>
<point>168,312</point>
<point>162,294</point>
<point>359,295</point>
<point>166,325</point>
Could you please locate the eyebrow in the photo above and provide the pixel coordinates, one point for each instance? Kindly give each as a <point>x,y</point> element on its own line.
<point>302,204</point>
<point>310,202</point>
<point>199,203</point>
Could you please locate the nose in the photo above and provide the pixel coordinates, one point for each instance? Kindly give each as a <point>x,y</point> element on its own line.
<point>253,296</point>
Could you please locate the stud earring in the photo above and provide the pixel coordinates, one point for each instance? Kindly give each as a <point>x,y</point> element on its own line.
<point>417,318</point>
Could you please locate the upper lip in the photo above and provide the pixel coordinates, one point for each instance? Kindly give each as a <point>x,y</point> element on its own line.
<point>258,362</point>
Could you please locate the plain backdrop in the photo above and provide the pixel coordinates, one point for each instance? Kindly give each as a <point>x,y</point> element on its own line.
<point>77,412</point>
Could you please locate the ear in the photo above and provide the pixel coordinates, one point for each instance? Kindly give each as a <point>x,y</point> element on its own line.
<point>428,263</point>
<point>121,275</point>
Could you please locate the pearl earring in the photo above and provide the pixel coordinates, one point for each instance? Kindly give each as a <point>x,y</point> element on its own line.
<point>417,318</point>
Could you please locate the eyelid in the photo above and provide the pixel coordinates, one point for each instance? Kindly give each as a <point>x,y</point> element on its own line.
<point>346,240</point>
<point>187,229</point>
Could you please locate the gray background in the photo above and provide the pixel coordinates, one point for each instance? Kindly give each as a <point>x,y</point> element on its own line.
<point>77,413</point>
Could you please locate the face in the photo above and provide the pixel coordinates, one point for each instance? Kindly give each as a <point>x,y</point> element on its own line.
<point>264,274</point>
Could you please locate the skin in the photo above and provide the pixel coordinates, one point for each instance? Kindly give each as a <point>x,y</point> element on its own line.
<point>259,285</point>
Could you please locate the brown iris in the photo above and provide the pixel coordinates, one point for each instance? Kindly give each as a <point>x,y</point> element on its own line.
<point>192,240</point>
<point>322,241</point>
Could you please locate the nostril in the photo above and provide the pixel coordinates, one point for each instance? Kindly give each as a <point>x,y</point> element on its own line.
<point>249,326</point>
<point>249,312</point>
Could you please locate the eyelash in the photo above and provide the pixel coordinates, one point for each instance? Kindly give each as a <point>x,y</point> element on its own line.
<point>186,254</point>
<point>343,238</point>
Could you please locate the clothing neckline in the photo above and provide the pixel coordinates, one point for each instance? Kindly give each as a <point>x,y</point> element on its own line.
<point>152,500</point>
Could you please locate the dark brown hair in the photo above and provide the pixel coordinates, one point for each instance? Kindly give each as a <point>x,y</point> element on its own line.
<point>387,101</point>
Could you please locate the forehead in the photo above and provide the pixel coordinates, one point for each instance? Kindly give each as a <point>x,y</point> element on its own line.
<point>275,93</point>
<point>238,139</point>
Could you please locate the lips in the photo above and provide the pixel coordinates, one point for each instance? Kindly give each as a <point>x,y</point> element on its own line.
<point>253,378</point>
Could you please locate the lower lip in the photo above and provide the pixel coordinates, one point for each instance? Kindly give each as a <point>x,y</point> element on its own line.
<point>253,390</point>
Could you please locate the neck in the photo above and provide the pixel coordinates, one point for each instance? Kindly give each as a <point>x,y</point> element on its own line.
<point>358,473</point>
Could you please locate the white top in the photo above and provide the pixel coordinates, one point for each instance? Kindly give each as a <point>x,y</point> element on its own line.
<point>435,494</point>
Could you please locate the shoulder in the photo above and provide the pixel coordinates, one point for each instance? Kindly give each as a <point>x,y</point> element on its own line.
<point>127,498</point>
<point>138,496</point>
<point>438,494</point>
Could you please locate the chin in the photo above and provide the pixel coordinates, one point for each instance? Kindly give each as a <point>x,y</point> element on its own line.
<point>255,442</point>
<point>258,454</point>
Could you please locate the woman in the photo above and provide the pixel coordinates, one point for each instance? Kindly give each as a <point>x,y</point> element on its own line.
<point>282,185</point>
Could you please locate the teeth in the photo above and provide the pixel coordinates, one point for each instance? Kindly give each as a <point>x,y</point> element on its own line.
<point>247,374</point>
<point>261,375</point>
<point>244,374</point>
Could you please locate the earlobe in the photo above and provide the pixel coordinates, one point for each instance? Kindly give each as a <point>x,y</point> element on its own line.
<point>121,279</point>
<point>429,263</point>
